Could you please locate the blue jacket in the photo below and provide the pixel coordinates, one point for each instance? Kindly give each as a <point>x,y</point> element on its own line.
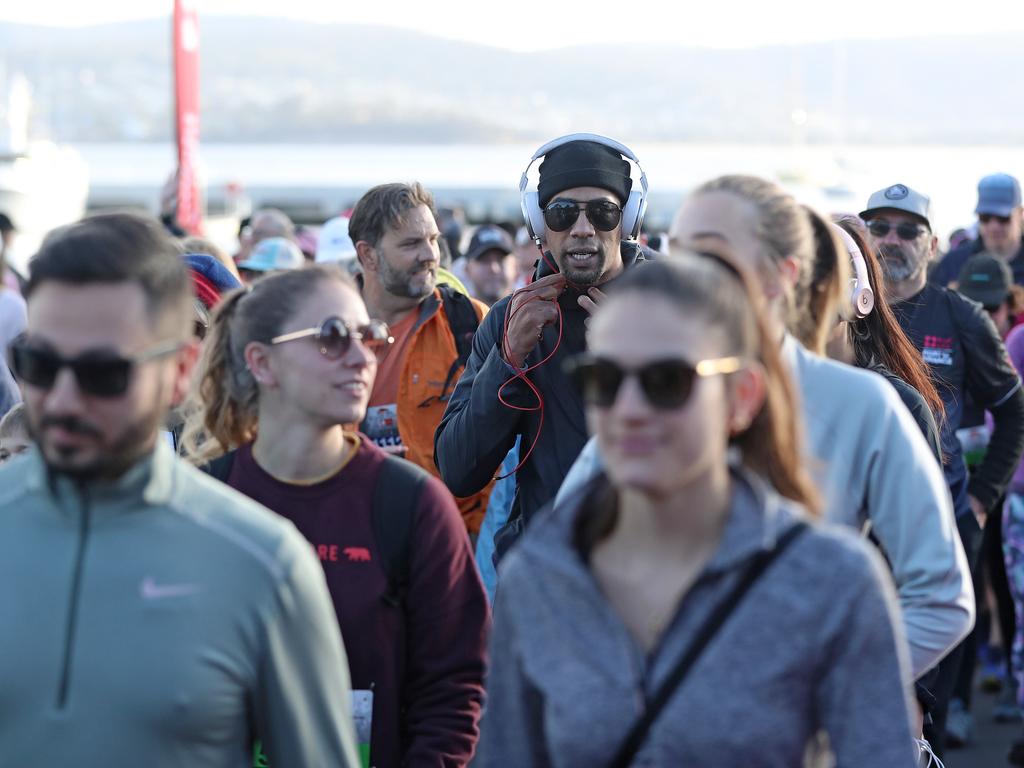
<point>947,270</point>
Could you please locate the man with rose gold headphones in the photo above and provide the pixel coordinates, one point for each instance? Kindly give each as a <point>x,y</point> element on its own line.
<point>584,216</point>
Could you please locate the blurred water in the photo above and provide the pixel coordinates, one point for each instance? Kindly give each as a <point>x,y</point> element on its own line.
<point>832,177</point>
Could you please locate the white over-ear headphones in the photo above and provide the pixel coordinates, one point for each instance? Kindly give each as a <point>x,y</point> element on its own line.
<point>862,297</point>
<point>632,212</point>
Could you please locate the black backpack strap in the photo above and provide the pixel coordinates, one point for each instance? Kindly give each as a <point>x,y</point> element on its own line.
<point>396,498</point>
<point>462,322</point>
<point>638,733</point>
<point>220,468</point>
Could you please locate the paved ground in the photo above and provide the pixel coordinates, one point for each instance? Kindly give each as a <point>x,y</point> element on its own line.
<point>991,740</point>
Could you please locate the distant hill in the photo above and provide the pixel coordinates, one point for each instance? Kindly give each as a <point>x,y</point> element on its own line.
<point>271,80</point>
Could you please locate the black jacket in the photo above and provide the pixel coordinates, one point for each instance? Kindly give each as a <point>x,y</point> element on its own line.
<point>477,430</point>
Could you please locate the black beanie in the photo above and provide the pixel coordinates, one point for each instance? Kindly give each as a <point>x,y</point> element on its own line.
<point>583,164</point>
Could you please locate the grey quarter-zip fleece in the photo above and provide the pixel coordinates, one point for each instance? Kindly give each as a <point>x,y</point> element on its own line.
<point>816,645</point>
<point>162,620</point>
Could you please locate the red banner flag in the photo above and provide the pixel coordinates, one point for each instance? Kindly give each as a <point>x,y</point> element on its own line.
<point>186,102</point>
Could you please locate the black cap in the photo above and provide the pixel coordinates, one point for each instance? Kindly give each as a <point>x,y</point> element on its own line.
<point>985,279</point>
<point>489,237</point>
<point>583,164</point>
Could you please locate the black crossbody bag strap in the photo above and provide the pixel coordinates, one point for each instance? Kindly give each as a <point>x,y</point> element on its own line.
<point>632,743</point>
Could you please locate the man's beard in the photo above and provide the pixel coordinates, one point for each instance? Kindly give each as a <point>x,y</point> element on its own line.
<point>399,283</point>
<point>901,262</point>
<point>584,276</point>
<point>115,458</point>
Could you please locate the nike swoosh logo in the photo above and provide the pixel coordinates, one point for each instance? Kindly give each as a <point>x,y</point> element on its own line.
<point>150,590</point>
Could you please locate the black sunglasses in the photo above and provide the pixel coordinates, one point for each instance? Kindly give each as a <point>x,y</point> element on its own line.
<point>904,230</point>
<point>100,374</point>
<point>334,337</point>
<point>985,218</point>
<point>559,215</point>
<point>666,384</point>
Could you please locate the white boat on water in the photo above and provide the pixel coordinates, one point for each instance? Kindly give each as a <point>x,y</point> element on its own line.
<point>42,185</point>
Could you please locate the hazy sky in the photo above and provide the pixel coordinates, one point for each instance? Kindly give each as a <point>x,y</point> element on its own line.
<point>537,24</point>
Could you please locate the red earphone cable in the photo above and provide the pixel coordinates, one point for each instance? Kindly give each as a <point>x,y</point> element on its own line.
<point>521,374</point>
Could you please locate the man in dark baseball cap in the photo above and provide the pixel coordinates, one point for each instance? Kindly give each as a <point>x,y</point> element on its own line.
<point>985,279</point>
<point>490,264</point>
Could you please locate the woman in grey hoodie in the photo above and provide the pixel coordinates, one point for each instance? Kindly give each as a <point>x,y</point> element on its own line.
<point>873,465</point>
<point>687,397</point>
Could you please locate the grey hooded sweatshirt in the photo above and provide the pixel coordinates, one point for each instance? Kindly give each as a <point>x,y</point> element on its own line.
<point>875,469</point>
<point>814,645</point>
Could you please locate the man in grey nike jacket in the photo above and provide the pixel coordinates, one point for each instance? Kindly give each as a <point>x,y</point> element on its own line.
<point>149,616</point>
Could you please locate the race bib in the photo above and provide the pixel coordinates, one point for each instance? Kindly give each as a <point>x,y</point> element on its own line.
<point>381,425</point>
<point>362,717</point>
<point>974,443</point>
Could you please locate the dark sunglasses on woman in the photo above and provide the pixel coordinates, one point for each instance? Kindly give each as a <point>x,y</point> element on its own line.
<point>334,337</point>
<point>561,214</point>
<point>666,384</point>
<point>99,373</point>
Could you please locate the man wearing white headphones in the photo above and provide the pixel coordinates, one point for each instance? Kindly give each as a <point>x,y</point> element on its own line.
<point>584,216</point>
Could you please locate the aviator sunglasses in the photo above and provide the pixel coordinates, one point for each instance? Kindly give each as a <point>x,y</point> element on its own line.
<point>559,215</point>
<point>666,384</point>
<point>904,231</point>
<point>100,374</point>
<point>985,218</point>
<point>335,338</point>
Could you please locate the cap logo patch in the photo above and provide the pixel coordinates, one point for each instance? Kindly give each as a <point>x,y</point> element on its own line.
<point>896,192</point>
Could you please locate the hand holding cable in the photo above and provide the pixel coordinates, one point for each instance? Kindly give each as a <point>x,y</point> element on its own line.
<point>530,310</point>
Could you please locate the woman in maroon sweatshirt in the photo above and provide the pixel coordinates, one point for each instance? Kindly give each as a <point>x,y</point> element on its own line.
<point>286,365</point>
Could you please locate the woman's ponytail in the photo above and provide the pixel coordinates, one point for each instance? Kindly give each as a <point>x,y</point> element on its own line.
<point>220,413</point>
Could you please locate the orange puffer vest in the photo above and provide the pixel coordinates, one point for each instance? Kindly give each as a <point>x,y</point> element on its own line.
<point>421,399</point>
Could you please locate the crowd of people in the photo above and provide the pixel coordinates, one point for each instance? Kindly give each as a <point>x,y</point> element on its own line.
<point>415,493</point>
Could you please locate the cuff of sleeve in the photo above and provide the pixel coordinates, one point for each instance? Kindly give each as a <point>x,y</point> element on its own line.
<point>982,493</point>
<point>925,697</point>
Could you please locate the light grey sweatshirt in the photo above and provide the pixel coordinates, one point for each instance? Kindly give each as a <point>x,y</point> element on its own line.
<point>873,465</point>
<point>815,645</point>
<point>162,620</point>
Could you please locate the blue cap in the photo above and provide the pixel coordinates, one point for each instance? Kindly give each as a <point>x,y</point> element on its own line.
<point>272,254</point>
<point>218,275</point>
<point>998,194</point>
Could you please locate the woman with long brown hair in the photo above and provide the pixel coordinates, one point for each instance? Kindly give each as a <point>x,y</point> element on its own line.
<point>873,340</point>
<point>287,367</point>
<point>676,611</point>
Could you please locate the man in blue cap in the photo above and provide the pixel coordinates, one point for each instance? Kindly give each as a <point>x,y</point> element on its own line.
<point>1000,230</point>
<point>966,358</point>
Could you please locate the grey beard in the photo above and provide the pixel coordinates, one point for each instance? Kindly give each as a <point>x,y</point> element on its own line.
<point>900,266</point>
